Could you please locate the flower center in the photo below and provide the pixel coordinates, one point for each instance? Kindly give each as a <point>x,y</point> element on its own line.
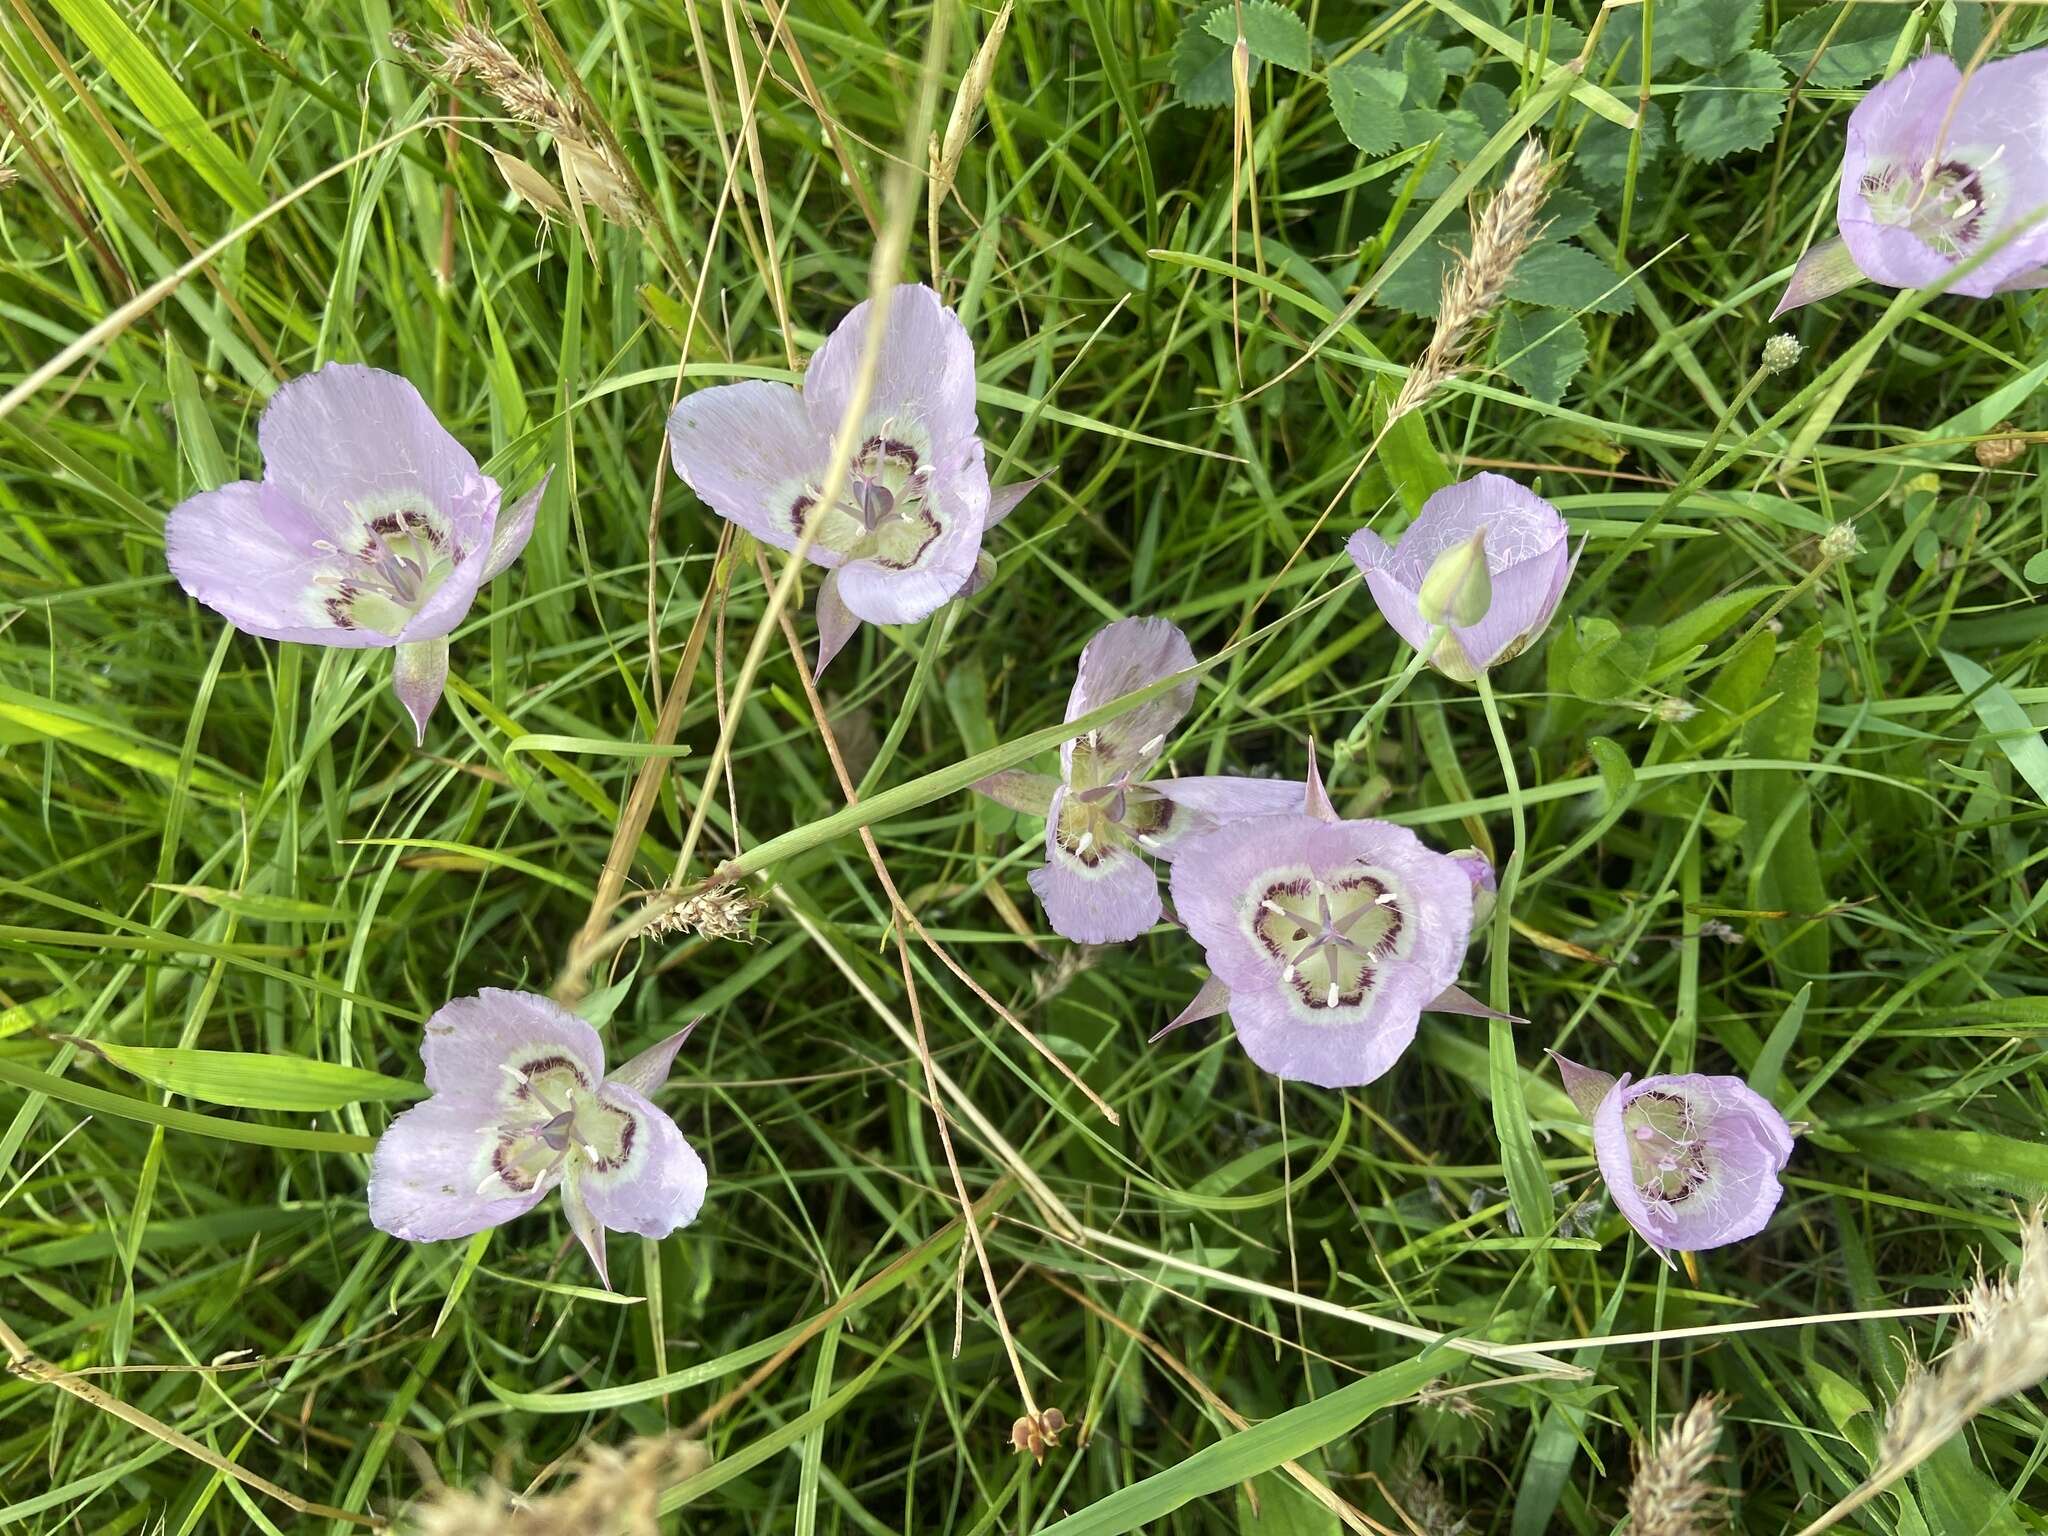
<point>1331,933</point>
<point>555,1122</point>
<point>401,553</point>
<point>1666,1152</point>
<point>885,513</point>
<point>1112,815</point>
<point>1943,202</point>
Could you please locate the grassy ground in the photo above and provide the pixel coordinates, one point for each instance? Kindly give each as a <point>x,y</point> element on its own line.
<point>1826,878</point>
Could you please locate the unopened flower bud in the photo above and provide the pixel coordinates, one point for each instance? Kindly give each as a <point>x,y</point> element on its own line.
<point>1458,588</point>
<point>1781,352</point>
<point>1674,711</point>
<point>1840,542</point>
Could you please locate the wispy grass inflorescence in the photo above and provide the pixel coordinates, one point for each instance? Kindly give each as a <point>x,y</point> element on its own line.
<point>722,912</point>
<point>1478,278</point>
<point>612,1492</point>
<point>2003,1350</point>
<point>591,170</point>
<point>1671,1495</point>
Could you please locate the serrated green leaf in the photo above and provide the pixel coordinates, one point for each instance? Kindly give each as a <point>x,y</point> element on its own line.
<point>1708,33</point>
<point>1422,62</point>
<point>1366,100</point>
<point>1274,34</point>
<point>1844,55</point>
<point>253,1080</point>
<point>1201,64</point>
<point>1558,275</point>
<point>1602,155</point>
<point>1736,107</point>
<point>1542,353</point>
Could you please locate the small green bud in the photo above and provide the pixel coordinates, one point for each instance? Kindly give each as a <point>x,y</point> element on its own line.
<point>1781,352</point>
<point>1459,588</point>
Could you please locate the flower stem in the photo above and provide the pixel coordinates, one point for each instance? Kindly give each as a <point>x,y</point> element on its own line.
<point>1527,1186</point>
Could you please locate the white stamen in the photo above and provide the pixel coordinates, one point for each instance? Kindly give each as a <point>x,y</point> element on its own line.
<point>1992,158</point>
<point>1288,975</point>
<point>517,1075</point>
<point>1147,839</point>
<point>1332,1002</point>
<point>1273,906</point>
<point>1087,842</point>
<point>591,1152</point>
<point>1385,899</point>
<point>489,1179</point>
<point>1152,746</point>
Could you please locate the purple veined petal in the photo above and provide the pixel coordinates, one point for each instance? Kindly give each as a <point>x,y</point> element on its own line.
<point>1101,894</point>
<point>924,370</point>
<point>750,453</point>
<point>1005,499</point>
<point>345,436</point>
<point>514,527</point>
<point>252,555</point>
<point>476,1048</point>
<point>1346,1054</point>
<point>1587,1086</point>
<point>2020,282</point>
<point>646,1072</point>
<point>836,623</point>
<point>1937,165</point>
<point>1028,794</point>
<point>1824,271</point>
<point>1524,598</point>
<point>1205,802</point>
<point>650,1180</point>
<point>1220,880</point>
<point>419,673</point>
<point>585,1227</point>
<point>1120,658</point>
<point>1692,1161</point>
<point>429,1168</point>
<point>908,567</point>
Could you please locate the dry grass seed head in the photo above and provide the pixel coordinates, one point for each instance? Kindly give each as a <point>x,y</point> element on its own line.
<point>611,1492</point>
<point>1671,1495</point>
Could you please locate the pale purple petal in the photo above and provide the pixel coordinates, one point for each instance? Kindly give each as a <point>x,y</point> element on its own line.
<point>1315,798</point>
<point>471,1041</point>
<point>1123,657</point>
<point>836,622</point>
<point>750,453</point>
<point>1524,598</point>
<point>647,1071</point>
<point>514,528</point>
<point>252,554</point>
<point>1458,1000</point>
<point>1205,802</point>
<point>1984,139</point>
<point>1347,1054</point>
<point>1527,556</point>
<point>1029,794</point>
<point>1732,1149</point>
<point>657,1185</point>
<point>1824,271</point>
<point>428,1168</point>
<point>924,371</point>
<point>904,571</point>
<point>1410,909</point>
<point>345,437</point>
<point>1106,896</point>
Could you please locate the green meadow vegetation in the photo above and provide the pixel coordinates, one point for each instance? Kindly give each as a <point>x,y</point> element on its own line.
<point>1769,786</point>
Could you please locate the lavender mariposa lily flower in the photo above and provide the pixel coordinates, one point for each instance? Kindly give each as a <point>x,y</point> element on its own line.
<point>1103,814</point>
<point>521,1103</point>
<point>1326,939</point>
<point>1692,1161</point>
<point>370,527</point>
<point>904,534</point>
<point>1938,165</point>
<point>1484,563</point>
